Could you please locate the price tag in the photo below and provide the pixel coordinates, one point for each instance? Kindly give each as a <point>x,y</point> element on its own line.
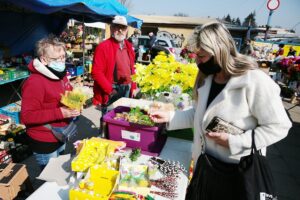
<point>128,135</point>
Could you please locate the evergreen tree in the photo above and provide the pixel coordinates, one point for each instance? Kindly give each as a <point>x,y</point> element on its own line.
<point>233,21</point>
<point>238,21</point>
<point>250,20</point>
<point>227,18</point>
<point>181,14</point>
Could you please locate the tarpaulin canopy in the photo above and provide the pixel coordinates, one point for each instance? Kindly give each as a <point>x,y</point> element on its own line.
<point>23,22</point>
<point>89,10</point>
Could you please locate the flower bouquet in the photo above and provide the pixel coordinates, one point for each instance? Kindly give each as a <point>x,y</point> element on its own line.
<point>188,56</point>
<point>165,78</point>
<point>74,99</point>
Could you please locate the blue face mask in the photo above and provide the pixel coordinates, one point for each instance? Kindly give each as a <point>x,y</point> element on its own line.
<point>57,66</point>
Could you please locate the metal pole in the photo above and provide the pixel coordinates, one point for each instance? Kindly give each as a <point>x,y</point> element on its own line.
<point>268,24</point>
<point>83,47</point>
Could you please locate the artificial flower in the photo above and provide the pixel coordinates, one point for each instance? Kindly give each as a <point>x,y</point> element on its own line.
<point>164,74</point>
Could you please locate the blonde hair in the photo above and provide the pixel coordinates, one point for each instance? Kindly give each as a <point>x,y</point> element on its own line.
<point>43,45</point>
<point>215,39</point>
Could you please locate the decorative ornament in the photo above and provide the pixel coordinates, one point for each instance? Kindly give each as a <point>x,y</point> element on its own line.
<point>168,168</point>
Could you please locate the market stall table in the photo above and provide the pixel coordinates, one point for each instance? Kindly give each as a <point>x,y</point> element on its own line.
<point>15,90</point>
<point>174,149</point>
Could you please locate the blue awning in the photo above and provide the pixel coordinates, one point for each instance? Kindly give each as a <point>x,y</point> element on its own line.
<point>27,21</point>
<point>82,10</point>
<point>134,22</point>
<point>82,7</point>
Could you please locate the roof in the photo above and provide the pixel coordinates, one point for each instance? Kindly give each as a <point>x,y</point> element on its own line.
<point>155,19</point>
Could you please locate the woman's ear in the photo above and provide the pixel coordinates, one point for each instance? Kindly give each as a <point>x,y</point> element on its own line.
<point>43,60</point>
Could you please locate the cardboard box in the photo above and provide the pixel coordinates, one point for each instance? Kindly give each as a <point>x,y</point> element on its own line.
<point>12,177</point>
<point>149,138</point>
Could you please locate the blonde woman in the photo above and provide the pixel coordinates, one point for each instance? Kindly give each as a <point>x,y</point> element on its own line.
<point>229,86</point>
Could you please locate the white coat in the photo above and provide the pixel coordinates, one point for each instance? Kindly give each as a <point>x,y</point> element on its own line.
<point>250,101</point>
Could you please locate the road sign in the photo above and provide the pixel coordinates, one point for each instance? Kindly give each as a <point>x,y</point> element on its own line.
<point>273,4</point>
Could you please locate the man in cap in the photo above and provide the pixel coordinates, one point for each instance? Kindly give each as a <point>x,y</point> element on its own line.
<point>113,66</point>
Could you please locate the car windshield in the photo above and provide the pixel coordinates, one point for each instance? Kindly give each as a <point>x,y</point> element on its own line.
<point>162,43</point>
<point>144,41</point>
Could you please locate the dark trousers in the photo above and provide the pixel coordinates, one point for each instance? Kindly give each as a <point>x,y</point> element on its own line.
<point>123,90</point>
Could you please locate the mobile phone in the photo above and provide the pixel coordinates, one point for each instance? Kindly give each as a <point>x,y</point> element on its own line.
<point>217,124</point>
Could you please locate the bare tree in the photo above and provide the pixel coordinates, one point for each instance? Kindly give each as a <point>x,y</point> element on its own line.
<point>126,3</point>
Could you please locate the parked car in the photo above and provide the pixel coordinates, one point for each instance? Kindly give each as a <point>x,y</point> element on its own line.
<point>144,54</point>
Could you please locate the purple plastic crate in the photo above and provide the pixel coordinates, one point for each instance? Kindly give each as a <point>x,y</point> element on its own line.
<point>149,138</point>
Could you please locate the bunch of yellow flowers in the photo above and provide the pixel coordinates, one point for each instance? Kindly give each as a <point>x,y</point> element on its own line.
<point>163,73</point>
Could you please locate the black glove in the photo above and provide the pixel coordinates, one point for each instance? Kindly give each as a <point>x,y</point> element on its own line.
<point>114,96</point>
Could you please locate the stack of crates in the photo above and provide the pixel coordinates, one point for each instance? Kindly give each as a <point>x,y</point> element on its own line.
<point>12,111</point>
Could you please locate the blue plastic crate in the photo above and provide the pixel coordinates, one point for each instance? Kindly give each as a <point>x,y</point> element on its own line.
<point>79,70</point>
<point>12,111</point>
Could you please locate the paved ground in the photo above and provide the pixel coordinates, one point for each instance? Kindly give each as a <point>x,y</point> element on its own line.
<point>284,156</point>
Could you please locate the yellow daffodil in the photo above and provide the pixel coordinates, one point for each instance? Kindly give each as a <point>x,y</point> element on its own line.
<point>163,73</point>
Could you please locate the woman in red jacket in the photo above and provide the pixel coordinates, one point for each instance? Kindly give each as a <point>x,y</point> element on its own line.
<point>41,94</point>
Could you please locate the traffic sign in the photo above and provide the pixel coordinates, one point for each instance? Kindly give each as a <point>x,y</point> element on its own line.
<point>273,4</point>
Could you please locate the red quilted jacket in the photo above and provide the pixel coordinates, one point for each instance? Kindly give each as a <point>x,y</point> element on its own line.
<point>103,68</point>
<point>41,105</point>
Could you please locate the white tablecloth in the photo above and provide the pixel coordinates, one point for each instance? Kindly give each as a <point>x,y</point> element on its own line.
<point>174,149</point>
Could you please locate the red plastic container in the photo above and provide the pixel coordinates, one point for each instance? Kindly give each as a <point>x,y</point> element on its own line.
<point>149,138</point>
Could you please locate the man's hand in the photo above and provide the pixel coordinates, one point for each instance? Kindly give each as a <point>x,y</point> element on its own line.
<point>219,138</point>
<point>69,113</point>
<point>113,93</point>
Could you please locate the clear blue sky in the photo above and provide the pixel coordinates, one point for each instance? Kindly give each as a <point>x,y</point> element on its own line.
<point>286,16</point>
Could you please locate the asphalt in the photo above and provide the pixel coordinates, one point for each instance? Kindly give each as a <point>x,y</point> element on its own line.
<point>284,156</point>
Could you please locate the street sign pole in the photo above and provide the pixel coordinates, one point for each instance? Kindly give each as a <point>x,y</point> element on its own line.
<point>271,5</point>
<point>268,24</point>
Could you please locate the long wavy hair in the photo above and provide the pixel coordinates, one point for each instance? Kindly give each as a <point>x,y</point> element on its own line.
<point>215,39</point>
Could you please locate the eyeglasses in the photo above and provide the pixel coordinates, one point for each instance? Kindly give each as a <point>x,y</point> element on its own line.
<point>118,27</point>
<point>60,58</point>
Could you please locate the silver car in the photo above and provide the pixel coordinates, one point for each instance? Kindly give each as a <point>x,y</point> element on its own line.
<point>145,55</point>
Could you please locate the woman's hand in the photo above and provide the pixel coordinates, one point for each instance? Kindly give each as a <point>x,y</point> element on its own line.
<point>220,138</point>
<point>159,116</point>
<point>69,113</point>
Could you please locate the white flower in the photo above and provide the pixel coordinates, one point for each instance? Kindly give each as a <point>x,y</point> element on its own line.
<point>176,89</point>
